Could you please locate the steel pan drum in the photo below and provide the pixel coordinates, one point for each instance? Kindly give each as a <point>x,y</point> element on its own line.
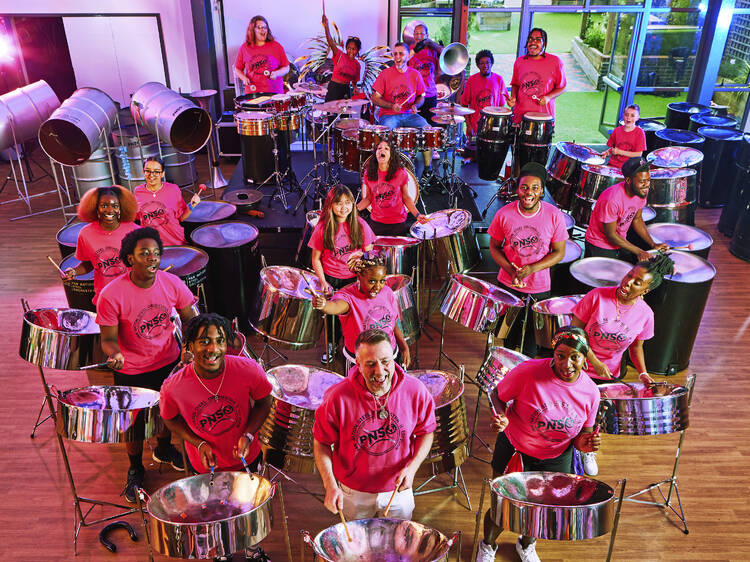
<point>402,286</point>
<point>599,272</point>
<point>553,505</point>
<point>188,263</point>
<point>108,414</point>
<point>79,292</point>
<point>60,338</point>
<point>67,238</point>
<point>286,435</point>
<point>243,199</point>
<point>566,159</point>
<point>595,179</point>
<point>205,212</point>
<point>677,137</point>
<point>283,310</point>
<point>550,315</point>
<point>448,449</point>
<point>673,193</point>
<point>686,238</point>
<point>650,126</point>
<point>480,306</point>
<point>707,120</point>
<point>680,112</point>
<point>453,237</point>
<point>637,409</point>
<point>718,171</point>
<point>400,253</point>
<point>191,519</point>
<point>499,362</point>
<point>675,157</point>
<point>380,540</point>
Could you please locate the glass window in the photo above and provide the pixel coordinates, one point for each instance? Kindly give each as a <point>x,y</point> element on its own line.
<point>735,102</point>
<point>654,105</point>
<point>735,62</point>
<point>669,50</point>
<point>678,3</point>
<point>556,2</point>
<point>491,4</point>
<point>617,2</point>
<point>622,36</point>
<point>498,32</point>
<point>439,27</point>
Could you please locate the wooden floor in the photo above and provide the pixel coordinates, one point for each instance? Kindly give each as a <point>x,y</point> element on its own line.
<point>36,522</point>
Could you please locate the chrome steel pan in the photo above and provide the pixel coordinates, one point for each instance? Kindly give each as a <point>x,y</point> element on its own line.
<point>595,179</point>
<point>23,110</point>
<point>498,363</point>
<point>552,505</point>
<point>686,238</point>
<point>400,253</point>
<point>283,311</point>
<point>286,434</point>
<point>479,306</point>
<point>453,239</point>
<point>60,338</point>
<point>452,429</point>
<point>550,315</point>
<point>402,286</point>
<point>566,158</point>
<point>108,414</point>
<point>191,519</point>
<point>635,409</point>
<point>599,272</point>
<point>672,187</point>
<point>380,540</point>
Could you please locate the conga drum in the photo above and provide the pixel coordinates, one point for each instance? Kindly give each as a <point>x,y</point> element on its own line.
<point>79,292</point>
<point>534,138</point>
<point>232,248</point>
<point>67,238</point>
<point>494,136</point>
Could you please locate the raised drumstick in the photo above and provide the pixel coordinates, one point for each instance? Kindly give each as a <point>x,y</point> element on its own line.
<point>57,267</point>
<point>690,246</point>
<point>390,501</point>
<point>346,529</point>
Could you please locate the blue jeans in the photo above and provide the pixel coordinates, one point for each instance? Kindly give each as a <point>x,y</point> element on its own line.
<point>403,120</point>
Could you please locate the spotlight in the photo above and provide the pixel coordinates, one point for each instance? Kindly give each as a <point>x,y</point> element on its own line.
<point>7,49</point>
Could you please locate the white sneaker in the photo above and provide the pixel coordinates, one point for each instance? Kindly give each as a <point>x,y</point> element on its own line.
<point>527,554</point>
<point>485,552</point>
<point>589,464</point>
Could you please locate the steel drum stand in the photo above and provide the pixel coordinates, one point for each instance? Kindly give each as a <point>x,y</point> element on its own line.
<point>328,180</point>
<point>278,176</point>
<point>672,480</point>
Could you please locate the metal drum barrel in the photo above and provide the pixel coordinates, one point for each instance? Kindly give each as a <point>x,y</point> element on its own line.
<point>564,169</point>
<point>678,137</point>
<point>673,193</point>
<point>594,179</point>
<point>188,263</point>
<point>23,110</point>
<point>400,253</point>
<point>718,171</point>
<point>636,409</point>
<point>553,505</point>
<point>232,248</point>
<point>286,434</point>
<point>95,172</point>
<point>739,193</point>
<point>67,238</point>
<point>739,246</point>
<point>448,451</point>
<point>650,126</point>
<point>550,315</point>
<point>681,237</point>
<point>79,292</point>
<point>207,212</point>
<point>134,146</point>
<point>498,363</point>
<point>179,168</point>
<point>680,112</point>
<point>676,322</point>
<point>402,286</point>
<point>453,237</point>
<point>699,120</point>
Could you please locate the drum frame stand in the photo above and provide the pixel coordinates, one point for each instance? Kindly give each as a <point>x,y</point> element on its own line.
<point>277,175</point>
<point>327,181</point>
<point>672,480</point>
<point>452,183</point>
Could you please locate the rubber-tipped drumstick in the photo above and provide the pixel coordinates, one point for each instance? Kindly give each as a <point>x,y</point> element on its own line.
<point>213,468</point>
<point>170,266</point>
<point>346,529</point>
<point>690,246</point>
<point>57,267</point>
<point>390,501</point>
<point>247,468</point>
<point>309,288</point>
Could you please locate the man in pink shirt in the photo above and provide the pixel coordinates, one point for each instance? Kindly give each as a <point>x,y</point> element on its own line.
<point>627,140</point>
<point>527,237</point>
<point>371,434</point>
<point>538,78</point>
<point>485,88</point>
<point>426,60</point>
<point>616,209</point>
<point>137,335</point>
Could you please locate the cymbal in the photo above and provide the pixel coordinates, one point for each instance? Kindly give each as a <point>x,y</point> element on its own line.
<point>448,119</point>
<point>340,106</point>
<point>310,88</point>
<point>452,110</point>
<point>202,93</point>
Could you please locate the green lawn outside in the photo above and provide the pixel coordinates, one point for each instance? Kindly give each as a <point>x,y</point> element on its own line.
<point>561,28</point>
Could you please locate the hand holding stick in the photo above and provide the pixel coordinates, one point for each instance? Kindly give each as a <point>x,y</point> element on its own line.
<point>346,529</point>
<point>390,501</point>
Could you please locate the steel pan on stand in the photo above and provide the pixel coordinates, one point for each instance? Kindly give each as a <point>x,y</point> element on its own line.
<point>560,272</point>
<point>67,238</point>
<point>673,193</point>
<point>402,287</point>
<point>206,212</point>
<point>452,236</point>
<point>650,126</point>
<point>739,193</point>
<point>550,315</point>
<point>590,273</point>
<point>681,237</point>
<point>401,253</point>
<point>680,112</point>
<point>189,264</point>
<point>564,170</point>
<point>717,172</point>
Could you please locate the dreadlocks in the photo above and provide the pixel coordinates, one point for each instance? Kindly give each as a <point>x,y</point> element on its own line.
<point>659,267</point>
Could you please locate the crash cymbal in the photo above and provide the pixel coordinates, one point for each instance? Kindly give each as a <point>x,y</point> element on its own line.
<point>340,106</point>
<point>448,119</point>
<point>310,88</point>
<point>452,110</point>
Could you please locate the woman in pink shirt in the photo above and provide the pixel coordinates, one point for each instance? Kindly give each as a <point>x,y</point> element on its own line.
<point>160,204</point>
<point>366,304</point>
<point>110,212</point>
<point>627,140</point>
<point>543,408</point>
<point>616,319</point>
<point>385,188</point>
<point>345,66</point>
<point>261,62</point>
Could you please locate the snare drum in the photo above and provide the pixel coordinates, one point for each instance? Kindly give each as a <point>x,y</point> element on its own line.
<point>281,103</point>
<point>405,138</point>
<point>451,234</point>
<point>433,138</point>
<point>254,123</point>
<point>349,155</point>
<point>371,135</point>
<point>79,291</point>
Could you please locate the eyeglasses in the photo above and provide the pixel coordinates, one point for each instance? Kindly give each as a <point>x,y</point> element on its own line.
<point>261,28</point>
<point>153,172</point>
<point>535,40</point>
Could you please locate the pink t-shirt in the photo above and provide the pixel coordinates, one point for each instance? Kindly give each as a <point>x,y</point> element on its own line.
<point>632,141</point>
<point>546,412</point>
<point>527,240</point>
<point>481,92</point>
<point>399,87</point>
<point>609,336</point>
<point>613,205</point>
<point>335,262</point>
<point>102,248</point>
<point>162,210</point>
<point>369,453</point>
<point>536,77</point>
<point>142,316</point>
<point>387,197</point>
<point>218,421</point>
<point>345,70</point>
<point>425,62</point>
<point>365,313</point>
<point>253,60</point>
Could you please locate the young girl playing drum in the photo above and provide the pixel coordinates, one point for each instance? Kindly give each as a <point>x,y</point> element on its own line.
<point>365,304</point>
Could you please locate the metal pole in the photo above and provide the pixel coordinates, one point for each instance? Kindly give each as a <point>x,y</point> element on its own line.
<point>616,522</point>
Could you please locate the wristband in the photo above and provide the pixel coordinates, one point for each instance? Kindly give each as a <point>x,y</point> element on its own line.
<point>249,436</point>
<point>201,445</point>
<point>641,374</point>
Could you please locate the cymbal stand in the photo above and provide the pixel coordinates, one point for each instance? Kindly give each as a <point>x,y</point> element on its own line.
<point>329,179</point>
<point>672,480</point>
<point>276,175</point>
<point>293,182</point>
<point>452,183</point>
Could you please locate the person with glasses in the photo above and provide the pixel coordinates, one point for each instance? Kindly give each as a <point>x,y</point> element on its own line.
<point>538,78</point>
<point>371,433</point>
<point>261,62</point>
<point>426,60</point>
<point>346,67</point>
<point>160,204</point>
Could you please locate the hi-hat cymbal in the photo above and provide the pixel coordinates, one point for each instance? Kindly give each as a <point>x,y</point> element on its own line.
<point>310,88</point>
<point>448,119</point>
<point>452,110</point>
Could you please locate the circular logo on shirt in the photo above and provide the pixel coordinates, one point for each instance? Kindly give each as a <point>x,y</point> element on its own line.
<point>484,98</point>
<point>377,437</point>
<point>377,317</point>
<point>108,262</point>
<point>531,84</point>
<point>627,216</point>
<point>153,213</point>
<point>609,334</point>
<point>526,241</point>
<point>556,421</point>
<point>342,246</point>
<point>257,64</point>
<point>385,195</point>
<point>401,93</point>
<point>216,417</point>
<point>152,322</point>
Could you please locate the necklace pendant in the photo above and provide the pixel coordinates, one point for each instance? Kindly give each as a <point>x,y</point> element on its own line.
<point>383,414</point>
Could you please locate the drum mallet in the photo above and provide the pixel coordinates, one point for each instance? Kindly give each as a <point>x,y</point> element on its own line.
<point>390,501</point>
<point>57,267</point>
<point>346,529</point>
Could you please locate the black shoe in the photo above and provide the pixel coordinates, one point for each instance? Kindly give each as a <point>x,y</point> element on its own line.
<point>135,480</point>
<point>170,455</point>
<point>256,554</point>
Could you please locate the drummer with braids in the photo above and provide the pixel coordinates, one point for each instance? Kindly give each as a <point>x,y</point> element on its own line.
<point>542,409</point>
<point>616,319</point>
<point>617,208</point>
<point>371,433</point>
